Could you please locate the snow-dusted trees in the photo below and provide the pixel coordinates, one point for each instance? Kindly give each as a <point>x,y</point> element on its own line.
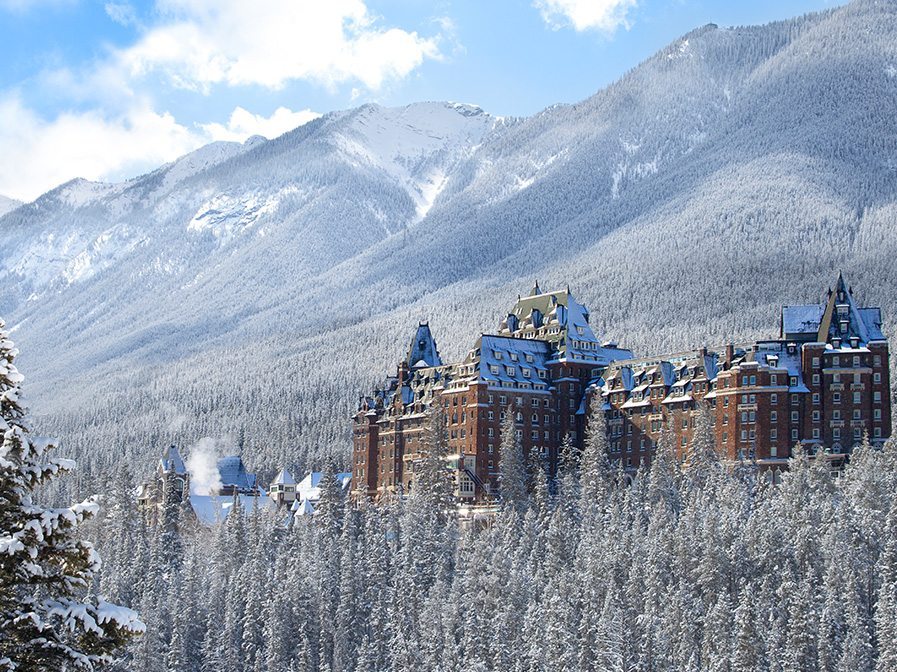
<point>47,621</point>
<point>687,566</point>
<point>512,481</point>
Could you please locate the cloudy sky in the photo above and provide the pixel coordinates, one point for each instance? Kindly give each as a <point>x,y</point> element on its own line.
<point>108,90</point>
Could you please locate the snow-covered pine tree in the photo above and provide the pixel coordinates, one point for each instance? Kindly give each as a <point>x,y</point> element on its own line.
<point>596,475</point>
<point>511,465</point>
<point>46,622</point>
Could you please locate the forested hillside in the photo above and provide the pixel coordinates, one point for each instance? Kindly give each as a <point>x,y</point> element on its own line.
<point>253,290</point>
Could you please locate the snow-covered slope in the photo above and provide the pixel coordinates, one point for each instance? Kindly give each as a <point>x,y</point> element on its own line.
<point>7,204</point>
<point>256,288</point>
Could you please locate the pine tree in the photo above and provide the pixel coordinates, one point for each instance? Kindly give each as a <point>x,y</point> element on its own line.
<point>46,622</point>
<point>511,465</point>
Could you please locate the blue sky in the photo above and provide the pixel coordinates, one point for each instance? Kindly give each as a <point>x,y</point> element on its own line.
<point>109,89</point>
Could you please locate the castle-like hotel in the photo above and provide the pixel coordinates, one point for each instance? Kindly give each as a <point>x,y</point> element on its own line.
<point>824,383</point>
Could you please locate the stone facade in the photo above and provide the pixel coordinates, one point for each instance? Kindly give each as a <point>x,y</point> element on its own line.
<point>823,383</point>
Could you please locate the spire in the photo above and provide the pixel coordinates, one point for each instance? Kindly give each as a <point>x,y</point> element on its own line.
<point>536,291</point>
<point>423,351</point>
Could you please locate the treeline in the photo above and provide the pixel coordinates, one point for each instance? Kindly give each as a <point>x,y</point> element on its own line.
<point>690,565</point>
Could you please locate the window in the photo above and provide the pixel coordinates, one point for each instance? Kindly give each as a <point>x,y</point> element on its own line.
<point>773,433</point>
<point>876,377</point>
<point>725,436</point>
<point>535,418</point>
<point>816,379</point>
<point>876,414</point>
<point>492,415</point>
<point>856,414</point>
<point>793,381</point>
<point>773,398</point>
<point>542,374</point>
<point>725,402</point>
<point>502,400</point>
<point>773,451</point>
<point>815,416</point>
<point>794,434</point>
<point>493,369</point>
<point>816,432</point>
<point>836,433</point>
<point>856,360</point>
<point>876,397</point>
<point>497,354</point>
<point>685,423</point>
<point>836,414</point>
<point>793,416</point>
<point>836,362</point>
<point>816,398</point>
<point>684,441</point>
<point>546,418</point>
<point>773,379</point>
<point>836,398</point>
<point>856,397</point>
<point>773,416</point>
<point>513,356</point>
<point>534,434</point>
<point>816,361</point>
<point>511,371</point>
<point>877,433</point>
<point>794,400</point>
<point>753,380</point>
<point>744,435</point>
<point>525,372</point>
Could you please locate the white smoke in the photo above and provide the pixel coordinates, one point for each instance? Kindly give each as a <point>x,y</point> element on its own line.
<point>203,466</point>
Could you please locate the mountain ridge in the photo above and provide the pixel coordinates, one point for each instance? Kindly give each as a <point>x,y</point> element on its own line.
<point>730,172</point>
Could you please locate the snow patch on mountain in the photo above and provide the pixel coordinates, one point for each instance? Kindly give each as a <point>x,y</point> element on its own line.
<point>416,145</point>
<point>226,216</point>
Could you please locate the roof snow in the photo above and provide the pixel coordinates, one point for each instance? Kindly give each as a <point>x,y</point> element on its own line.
<point>171,461</point>
<point>234,473</point>
<point>284,477</point>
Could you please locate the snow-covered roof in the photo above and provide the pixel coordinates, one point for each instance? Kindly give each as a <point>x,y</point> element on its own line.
<point>284,477</point>
<point>309,487</point>
<point>558,318</point>
<point>799,320</point>
<point>233,473</point>
<point>213,509</point>
<point>171,461</point>
<point>505,359</point>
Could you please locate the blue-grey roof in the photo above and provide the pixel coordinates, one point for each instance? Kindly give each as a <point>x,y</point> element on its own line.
<point>802,319</point>
<point>233,472</point>
<point>423,350</point>
<point>872,319</point>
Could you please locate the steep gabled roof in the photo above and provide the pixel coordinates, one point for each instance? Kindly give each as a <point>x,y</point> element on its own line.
<point>171,461</point>
<point>423,351</point>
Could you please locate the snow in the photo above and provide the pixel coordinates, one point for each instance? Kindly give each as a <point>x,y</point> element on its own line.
<point>213,509</point>
<point>8,204</point>
<point>226,216</point>
<point>284,477</point>
<point>414,144</point>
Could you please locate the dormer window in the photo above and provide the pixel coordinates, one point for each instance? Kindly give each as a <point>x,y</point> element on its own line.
<point>497,354</point>
<point>513,356</point>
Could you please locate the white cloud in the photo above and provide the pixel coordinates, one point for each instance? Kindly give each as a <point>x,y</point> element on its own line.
<point>39,154</point>
<point>243,124</point>
<point>122,13</point>
<point>205,42</point>
<point>603,15</point>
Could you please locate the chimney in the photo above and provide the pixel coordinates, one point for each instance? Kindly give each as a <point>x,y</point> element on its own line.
<point>730,353</point>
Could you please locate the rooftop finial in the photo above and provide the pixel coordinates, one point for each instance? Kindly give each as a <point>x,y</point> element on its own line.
<point>536,291</point>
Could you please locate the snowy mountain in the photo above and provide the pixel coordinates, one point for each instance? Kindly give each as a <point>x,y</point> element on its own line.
<point>8,204</point>
<point>253,289</point>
